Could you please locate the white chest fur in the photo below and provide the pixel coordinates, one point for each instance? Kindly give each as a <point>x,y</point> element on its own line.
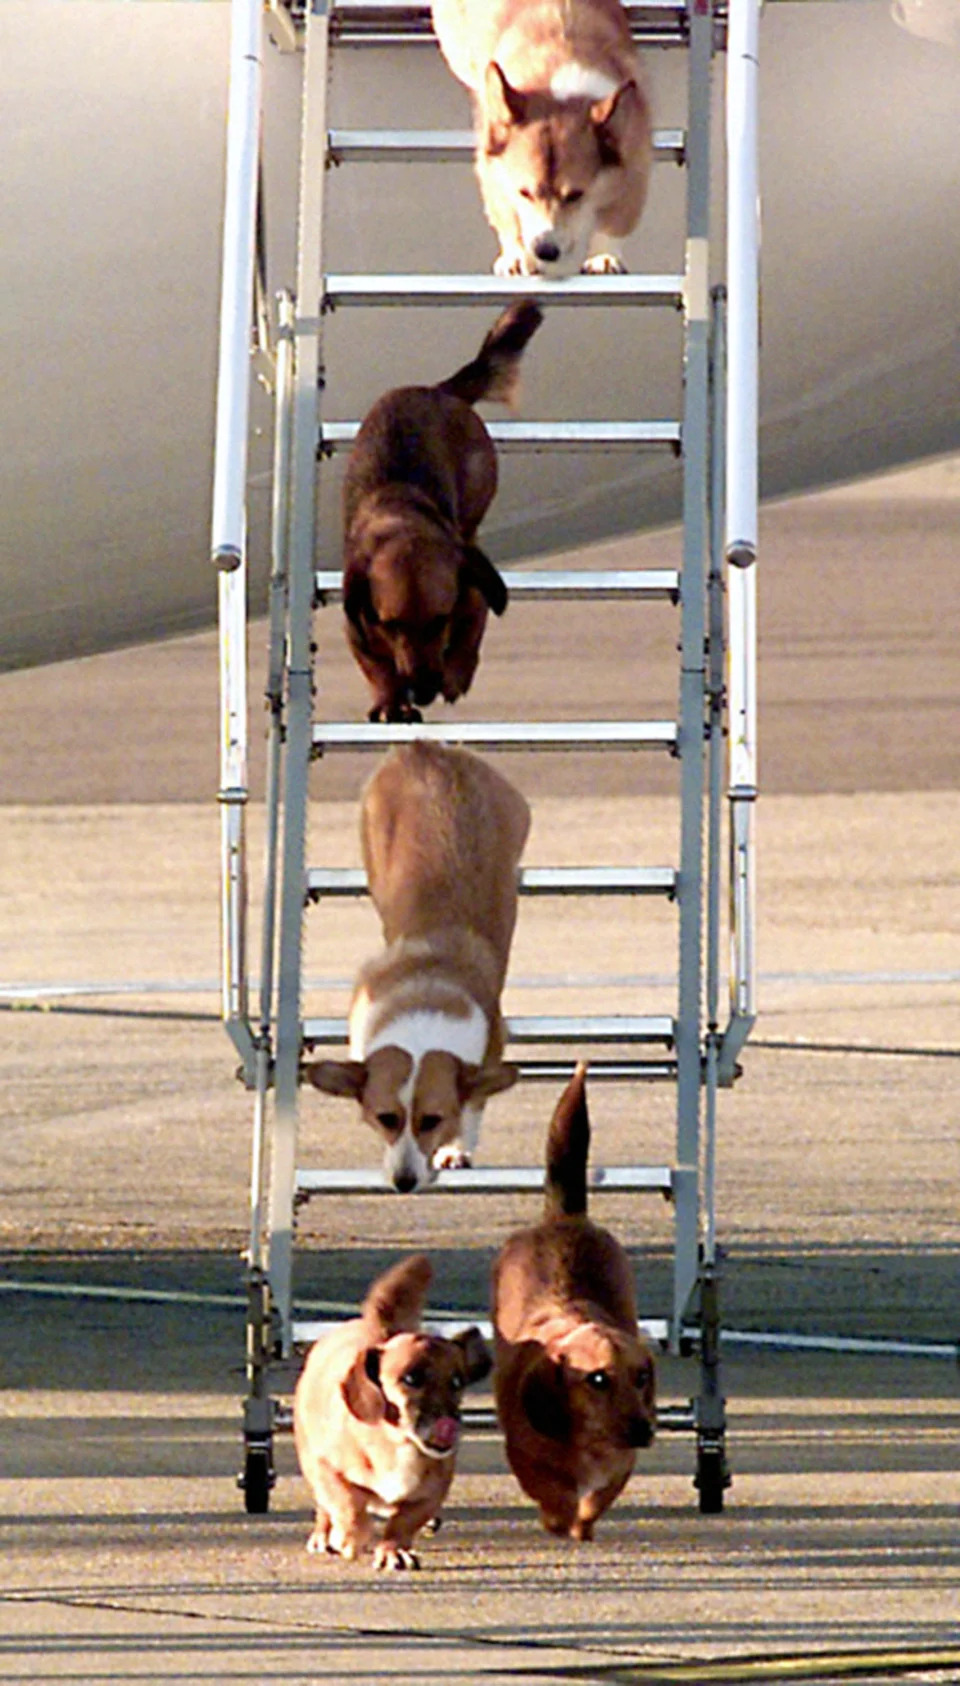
<point>420,1031</point>
<point>578,81</point>
<point>404,1477</point>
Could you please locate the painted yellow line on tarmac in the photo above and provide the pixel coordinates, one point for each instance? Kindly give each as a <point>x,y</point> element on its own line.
<point>731,1671</point>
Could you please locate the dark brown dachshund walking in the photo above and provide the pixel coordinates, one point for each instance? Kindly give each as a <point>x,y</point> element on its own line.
<point>421,476</point>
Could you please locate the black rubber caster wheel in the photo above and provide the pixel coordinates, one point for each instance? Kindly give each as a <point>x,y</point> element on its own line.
<point>257,1480</point>
<point>711,1481</point>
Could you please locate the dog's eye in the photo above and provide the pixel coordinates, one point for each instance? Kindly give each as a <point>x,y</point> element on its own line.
<point>389,1120</point>
<point>430,1121</point>
<point>526,193</point>
<point>414,1377</point>
<point>573,197</point>
<point>599,1380</point>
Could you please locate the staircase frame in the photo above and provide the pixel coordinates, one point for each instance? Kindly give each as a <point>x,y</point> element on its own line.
<point>714,735</point>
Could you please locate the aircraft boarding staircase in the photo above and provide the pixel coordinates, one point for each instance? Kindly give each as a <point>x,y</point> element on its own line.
<point>712,738</point>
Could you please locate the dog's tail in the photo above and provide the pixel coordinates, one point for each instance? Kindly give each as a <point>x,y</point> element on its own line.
<point>568,1147</point>
<point>394,1302</point>
<point>495,370</point>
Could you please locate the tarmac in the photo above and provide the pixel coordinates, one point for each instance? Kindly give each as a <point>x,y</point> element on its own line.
<point>127,1555</point>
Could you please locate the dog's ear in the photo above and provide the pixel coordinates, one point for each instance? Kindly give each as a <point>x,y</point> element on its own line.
<point>543,1399</point>
<point>479,1082</point>
<point>502,104</point>
<point>608,117</point>
<point>357,602</point>
<point>481,572</point>
<point>476,1354</point>
<point>361,1387</point>
<point>338,1077</point>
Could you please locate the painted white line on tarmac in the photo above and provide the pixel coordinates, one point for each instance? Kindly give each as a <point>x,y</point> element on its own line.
<point>851,1344</point>
<point>23,992</point>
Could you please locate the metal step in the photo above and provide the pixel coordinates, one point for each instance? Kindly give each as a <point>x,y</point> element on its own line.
<point>480,1418</point>
<point>533,881</point>
<point>448,146</point>
<point>601,1070</point>
<point>434,290</point>
<point>533,436</point>
<point>500,734</point>
<point>307,1330</point>
<point>385,23</point>
<point>487,1179</point>
<point>621,1028</point>
<point>560,585</point>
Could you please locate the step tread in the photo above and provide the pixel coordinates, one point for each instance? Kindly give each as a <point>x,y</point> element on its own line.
<point>307,1330</point>
<point>562,584</point>
<point>533,880</point>
<point>337,436</point>
<point>652,22</point>
<point>486,1179</point>
<point>416,289</point>
<point>623,1028</point>
<point>360,146</point>
<point>501,734</point>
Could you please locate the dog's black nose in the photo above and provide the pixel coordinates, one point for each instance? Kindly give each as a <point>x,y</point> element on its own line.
<point>641,1433</point>
<point>404,1182</point>
<point>546,249</point>
<point>425,690</point>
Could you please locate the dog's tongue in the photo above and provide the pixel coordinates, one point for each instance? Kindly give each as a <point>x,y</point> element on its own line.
<point>444,1433</point>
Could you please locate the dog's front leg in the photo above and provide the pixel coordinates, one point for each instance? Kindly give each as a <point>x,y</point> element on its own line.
<point>514,260</point>
<point>395,1550</point>
<point>604,257</point>
<point>592,1505</point>
<point>560,1517</point>
<point>400,711</point>
<point>344,1527</point>
<point>458,1154</point>
<point>319,1540</point>
<point>391,697</point>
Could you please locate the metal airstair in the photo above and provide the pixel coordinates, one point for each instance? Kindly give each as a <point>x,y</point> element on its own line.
<point>693,1046</point>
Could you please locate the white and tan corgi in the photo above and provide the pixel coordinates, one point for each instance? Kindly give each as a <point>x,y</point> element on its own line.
<point>442,835</point>
<point>563,131</point>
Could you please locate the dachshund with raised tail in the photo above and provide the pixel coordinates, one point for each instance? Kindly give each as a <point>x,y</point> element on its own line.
<point>376,1419</point>
<point>575,1380</point>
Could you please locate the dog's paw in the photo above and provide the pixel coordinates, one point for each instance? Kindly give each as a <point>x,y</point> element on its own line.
<point>517,262</point>
<point>453,1157</point>
<point>395,713</point>
<point>319,1541</point>
<point>390,1556</point>
<point>604,263</point>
